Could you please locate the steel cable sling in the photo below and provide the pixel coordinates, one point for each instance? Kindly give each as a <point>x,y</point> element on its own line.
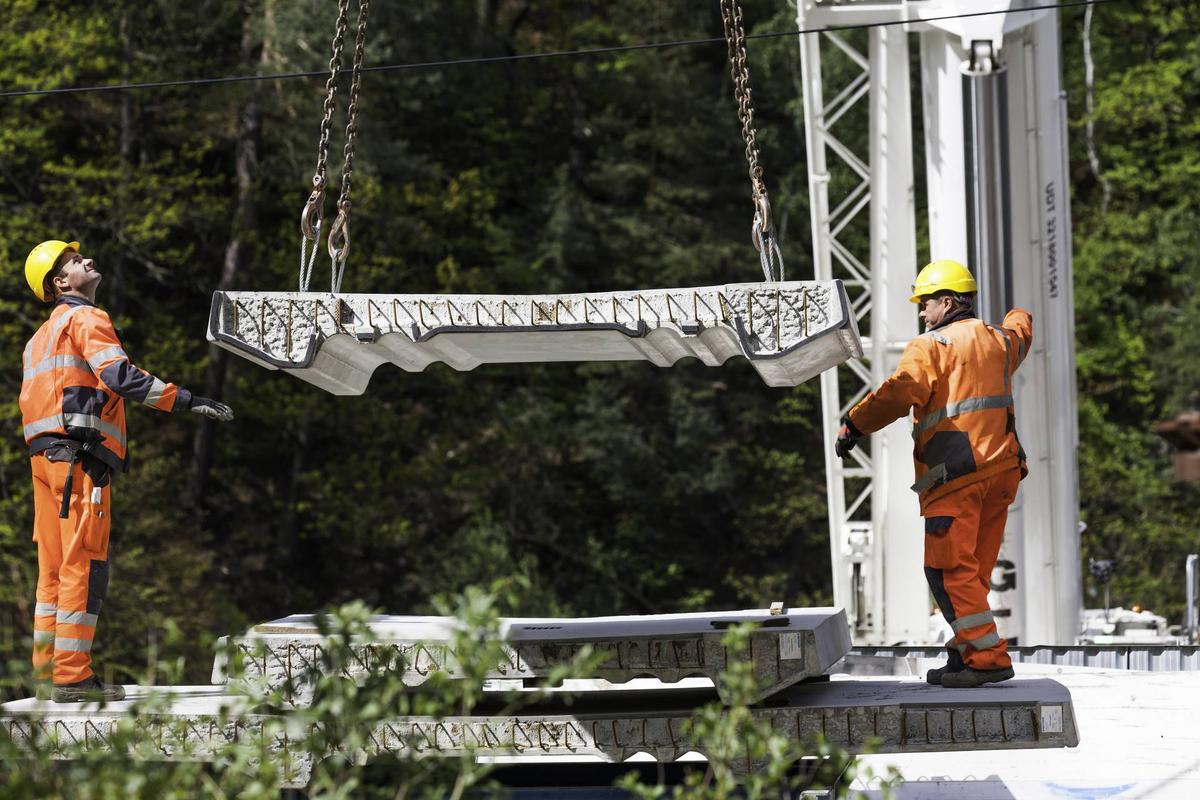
<point>312,217</point>
<point>762,231</point>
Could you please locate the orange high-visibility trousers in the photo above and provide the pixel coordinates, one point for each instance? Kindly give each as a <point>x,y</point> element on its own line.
<point>72,569</point>
<point>963,531</point>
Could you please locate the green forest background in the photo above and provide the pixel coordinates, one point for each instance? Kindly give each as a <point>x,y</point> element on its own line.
<point>609,487</point>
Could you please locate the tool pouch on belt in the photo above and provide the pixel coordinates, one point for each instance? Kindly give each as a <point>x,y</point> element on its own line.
<point>76,452</point>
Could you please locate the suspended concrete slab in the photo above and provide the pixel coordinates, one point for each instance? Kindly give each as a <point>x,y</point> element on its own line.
<point>788,647</point>
<point>790,331</point>
<point>879,715</point>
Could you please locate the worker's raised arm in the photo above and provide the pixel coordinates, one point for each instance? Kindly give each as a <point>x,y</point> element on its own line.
<point>1018,323</point>
<point>97,339</point>
<point>910,385</point>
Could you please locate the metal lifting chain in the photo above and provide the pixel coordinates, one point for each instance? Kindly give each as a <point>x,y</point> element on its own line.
<point>762,232</point>
<point>314,210</point>
<point>339,234</point>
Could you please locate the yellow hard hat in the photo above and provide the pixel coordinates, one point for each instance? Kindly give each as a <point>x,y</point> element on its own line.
<point>943,276</point>
<point>40,261</point>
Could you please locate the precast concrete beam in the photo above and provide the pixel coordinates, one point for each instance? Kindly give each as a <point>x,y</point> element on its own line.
<point>786,648</point>
<point>880,715</point>
<point>790,331</point>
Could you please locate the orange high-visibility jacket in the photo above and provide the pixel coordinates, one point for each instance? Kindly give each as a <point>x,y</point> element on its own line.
<point>76,380</point>
<point>957,380</point>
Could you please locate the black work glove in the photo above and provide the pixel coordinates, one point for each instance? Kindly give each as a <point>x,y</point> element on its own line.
<point>211,409</point>
<point>847,439</point>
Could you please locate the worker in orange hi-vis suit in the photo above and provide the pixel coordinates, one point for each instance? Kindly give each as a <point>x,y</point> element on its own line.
<point>76,380</point>
<point>956,378</point>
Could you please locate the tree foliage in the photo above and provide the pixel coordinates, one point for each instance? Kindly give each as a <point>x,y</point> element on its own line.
<point>608,487</point>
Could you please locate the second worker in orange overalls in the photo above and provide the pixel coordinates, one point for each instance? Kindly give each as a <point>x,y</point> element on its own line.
<point>956,379</point>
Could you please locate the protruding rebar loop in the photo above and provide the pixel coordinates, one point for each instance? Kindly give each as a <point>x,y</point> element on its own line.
<point>763,234</point>
<point>339,234</point>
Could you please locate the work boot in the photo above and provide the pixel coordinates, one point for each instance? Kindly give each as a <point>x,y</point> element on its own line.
<point>87,689</point>
<point>954,664</point>
<point>973,678</point>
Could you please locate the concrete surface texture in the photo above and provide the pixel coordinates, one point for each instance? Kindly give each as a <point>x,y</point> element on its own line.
<point>1139,738</point>
<point>884,714</point>
<point>790,331</point>
<point>788,647</point>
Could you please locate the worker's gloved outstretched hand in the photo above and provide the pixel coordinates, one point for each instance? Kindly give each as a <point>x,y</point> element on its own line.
<point>847,439</point>
<point>211,409</point>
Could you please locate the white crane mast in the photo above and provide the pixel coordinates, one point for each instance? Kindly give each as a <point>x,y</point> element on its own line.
<point>995,154</point>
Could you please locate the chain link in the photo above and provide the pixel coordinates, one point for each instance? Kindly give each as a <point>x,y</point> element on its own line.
<point>311,216</point>
<point>339,234</point>
<point>763,230</point>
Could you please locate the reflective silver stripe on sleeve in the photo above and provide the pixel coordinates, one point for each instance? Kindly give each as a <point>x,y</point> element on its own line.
<point>76,618</point>
<point>56,362</point>
<point>43,637</point>
<point>27,356</point>
<point>156,392</point>
<point>45,610</point>
<point>107,354</point>
<point>58,325</point>
<point>985,641</point>
<point>74,645</point>
<point>960,408</point>
<point>962,623</point>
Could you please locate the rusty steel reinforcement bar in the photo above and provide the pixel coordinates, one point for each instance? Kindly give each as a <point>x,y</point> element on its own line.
<point>787,647</point>
<point>879,715</point>
<point>1144,658</point>
<point>790,331</point>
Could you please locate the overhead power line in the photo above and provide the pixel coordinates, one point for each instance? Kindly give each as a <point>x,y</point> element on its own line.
<point>593,51</point>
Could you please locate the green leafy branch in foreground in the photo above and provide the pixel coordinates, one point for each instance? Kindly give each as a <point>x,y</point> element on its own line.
<point>261,739</point>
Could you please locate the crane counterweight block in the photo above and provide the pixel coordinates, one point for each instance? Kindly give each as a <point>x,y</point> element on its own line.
<point>789,331</point>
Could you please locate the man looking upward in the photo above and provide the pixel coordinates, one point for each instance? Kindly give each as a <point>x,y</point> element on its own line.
<point>76,380</point>
<point>956,378</point>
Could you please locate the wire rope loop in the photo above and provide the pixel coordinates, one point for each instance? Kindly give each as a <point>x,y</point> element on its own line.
<point>309,258</point>
<point>769,254</point>
<point>339,246</point>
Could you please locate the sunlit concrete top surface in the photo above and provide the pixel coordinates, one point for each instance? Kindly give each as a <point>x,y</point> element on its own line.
<point>1139,738</point>
<point>789,331</point>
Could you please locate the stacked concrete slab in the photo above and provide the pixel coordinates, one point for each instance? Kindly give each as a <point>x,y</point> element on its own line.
<point>790,331</point>
<point>789,646</point>
<point>793,652</point>
<point>880,715</point>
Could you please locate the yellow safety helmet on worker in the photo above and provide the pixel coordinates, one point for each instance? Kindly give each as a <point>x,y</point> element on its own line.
<point>943,275</point>
<point>40,262</point>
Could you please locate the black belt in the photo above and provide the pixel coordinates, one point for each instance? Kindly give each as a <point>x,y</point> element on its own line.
<point>77,451</point>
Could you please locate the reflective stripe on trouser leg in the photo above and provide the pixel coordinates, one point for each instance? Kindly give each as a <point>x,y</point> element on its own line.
<point>49,556</point>
<point>79,544</point>
<point>953,570</point>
